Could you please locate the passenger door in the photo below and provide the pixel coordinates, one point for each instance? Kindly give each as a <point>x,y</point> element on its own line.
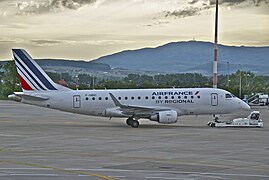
<point>214,99</point>
<point>76,101</point>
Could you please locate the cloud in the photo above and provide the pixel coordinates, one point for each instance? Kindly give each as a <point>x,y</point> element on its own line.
<point>31,7</point>
<point>42,42</point>
<point>156,22</point>
<point>25,7</point>
<point>55,42</point>
<point>196,7</point>
<point>236,2</point>
<point>7,40</point>
<point>70,4</point>
<point>184,12</point>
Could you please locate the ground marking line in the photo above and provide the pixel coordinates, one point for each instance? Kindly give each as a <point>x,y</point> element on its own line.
<point>176,172</point>
<point>33,174</point>
<point>25,168</point>
<point>59,169</point>
<point>171,178</point>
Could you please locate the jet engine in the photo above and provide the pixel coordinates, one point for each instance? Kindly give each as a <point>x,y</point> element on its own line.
<point>165,117</point>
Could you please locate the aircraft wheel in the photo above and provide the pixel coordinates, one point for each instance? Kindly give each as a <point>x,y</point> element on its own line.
<point>213,125</point>
<point>129,121</point>
<point>135,124</point>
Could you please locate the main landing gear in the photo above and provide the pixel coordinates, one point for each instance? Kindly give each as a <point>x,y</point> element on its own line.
<point>132,122</point>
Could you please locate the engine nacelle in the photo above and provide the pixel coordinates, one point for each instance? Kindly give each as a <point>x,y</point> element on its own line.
<point>165,117</point>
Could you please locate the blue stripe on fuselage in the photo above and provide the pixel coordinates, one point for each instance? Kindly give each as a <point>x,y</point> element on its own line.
<point>32,67</point>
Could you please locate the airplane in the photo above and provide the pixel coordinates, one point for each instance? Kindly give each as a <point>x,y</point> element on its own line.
<point>160,105</point>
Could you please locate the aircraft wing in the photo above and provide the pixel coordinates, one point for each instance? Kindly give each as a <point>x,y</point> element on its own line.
<point>136,110</point>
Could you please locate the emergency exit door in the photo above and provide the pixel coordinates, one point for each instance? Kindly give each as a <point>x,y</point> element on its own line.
<point>214,99</point>
<point>76,101</point>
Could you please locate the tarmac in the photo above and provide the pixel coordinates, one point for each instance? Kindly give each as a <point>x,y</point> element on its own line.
<point>39,143</point>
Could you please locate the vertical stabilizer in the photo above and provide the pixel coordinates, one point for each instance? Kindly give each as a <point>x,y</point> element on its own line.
<point>32,76</point>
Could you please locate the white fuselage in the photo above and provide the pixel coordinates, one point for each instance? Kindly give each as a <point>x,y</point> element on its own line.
<point>187,101</point>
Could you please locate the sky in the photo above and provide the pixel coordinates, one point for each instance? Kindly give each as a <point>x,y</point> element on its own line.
<point>88,29</point>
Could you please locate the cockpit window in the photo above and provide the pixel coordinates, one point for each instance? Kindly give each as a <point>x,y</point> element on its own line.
<point>228,95</point>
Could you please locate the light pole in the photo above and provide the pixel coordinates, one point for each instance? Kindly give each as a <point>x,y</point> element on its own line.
<point>240,82</point>
<point>247,85</point>
<point>92,82</point>
<point>215,63</point>
<point>247,75</point>
<point>228,64</point>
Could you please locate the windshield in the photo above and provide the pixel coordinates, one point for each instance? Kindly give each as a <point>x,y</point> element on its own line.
<point>228,95</point>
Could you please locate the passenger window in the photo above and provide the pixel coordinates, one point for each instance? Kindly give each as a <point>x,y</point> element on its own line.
<point>159,97</point>
<point>146,97</point>
<point>228,95</point>
<point>93,98</point>
<point>106,98</point>
<point>172,97</point>
<point>126,98</point>
<point>138,97</point>
<point>87,98</point>
<point>153,97</point>
<point>119,98</point>
<point>166,97</point>
<point>100,98</point>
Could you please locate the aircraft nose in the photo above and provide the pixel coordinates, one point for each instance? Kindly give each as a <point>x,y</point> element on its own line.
<point>245,106</point>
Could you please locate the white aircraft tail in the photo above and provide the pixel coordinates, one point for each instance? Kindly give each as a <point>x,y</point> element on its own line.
<point>32,77</point>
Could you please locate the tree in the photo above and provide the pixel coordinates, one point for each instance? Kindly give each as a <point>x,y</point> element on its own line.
<point>54,76</point>
<point>66,76</point>
<point>10,79</point>
<point>84,79</point>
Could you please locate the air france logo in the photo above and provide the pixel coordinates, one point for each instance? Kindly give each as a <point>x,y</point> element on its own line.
<point>174,93</point>
<point>188,97</point>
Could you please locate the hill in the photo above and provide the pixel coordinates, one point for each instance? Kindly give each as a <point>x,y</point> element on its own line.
<point>175,57</point>
<point>64,65</point>
<point>191,56</point>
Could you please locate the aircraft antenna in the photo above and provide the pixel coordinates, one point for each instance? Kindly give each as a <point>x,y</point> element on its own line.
<point>215,64</point>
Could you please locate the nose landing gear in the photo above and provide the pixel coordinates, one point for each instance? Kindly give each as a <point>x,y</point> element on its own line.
<point>132,122</point>
<point>216,117</point>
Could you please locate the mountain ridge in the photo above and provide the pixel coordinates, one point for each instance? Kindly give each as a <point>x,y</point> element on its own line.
<point>180,57</point>
<point>173,57</point>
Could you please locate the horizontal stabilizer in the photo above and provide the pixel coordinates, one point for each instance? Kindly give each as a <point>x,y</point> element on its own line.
<point>31,97</point>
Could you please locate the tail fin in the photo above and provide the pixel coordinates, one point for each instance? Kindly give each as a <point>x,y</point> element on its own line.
<point>32,77</point>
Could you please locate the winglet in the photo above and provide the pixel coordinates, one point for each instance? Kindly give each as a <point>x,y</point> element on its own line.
<point>116,102</point>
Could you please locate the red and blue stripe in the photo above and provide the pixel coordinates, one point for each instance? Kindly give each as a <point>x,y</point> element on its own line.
<point>31,75</point>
